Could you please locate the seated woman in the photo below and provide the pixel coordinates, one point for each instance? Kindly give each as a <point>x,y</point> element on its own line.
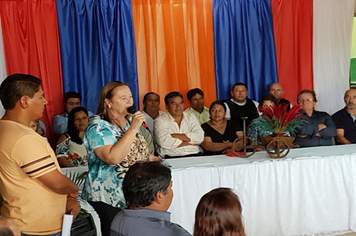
<point>253,130</point>
<point>70,149</point>
<point>219,133</point>
<point>320,129</point>
<point>114,143</point>
<point>219,213</point>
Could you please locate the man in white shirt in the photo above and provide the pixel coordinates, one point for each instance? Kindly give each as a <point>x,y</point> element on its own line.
<point>177,133</point>
<point>151,110</point>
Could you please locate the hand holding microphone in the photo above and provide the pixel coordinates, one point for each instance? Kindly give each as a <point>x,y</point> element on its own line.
<point>137,116</point>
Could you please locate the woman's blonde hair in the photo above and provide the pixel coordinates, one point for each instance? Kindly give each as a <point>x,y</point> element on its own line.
<point>107,93</point>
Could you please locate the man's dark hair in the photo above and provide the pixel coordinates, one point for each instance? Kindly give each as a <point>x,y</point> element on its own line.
<point>171,95</point>
<point>148,94</point>
<point>238,84</point>
<point>143,181</point>
<point>5,231</point>
<point>15,86</point>
<point>191,93</point>
<point>71,94</point>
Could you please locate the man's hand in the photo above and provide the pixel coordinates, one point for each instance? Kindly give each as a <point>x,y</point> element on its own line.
<point>72,207</point>
<point>182,137</point>
<point>321,126</point>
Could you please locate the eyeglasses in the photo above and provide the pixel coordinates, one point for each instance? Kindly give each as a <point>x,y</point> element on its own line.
<point>306,100</point>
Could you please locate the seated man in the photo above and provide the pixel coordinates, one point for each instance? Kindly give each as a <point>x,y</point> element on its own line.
<point>151,110</point>
<point>277,91</point>
<point>177,133</point>
<point>196,101</point>
<point>240,106</point>
<point>60,122</point>
<point>147,189</point>
<point>345,119</point>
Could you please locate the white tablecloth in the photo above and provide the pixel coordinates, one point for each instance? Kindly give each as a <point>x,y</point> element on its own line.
<point>312,190</point>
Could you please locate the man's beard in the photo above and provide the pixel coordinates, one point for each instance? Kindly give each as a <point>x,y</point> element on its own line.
<point>351,105</point>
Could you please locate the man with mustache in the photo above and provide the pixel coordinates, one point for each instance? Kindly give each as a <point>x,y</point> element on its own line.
<point>345,119</point>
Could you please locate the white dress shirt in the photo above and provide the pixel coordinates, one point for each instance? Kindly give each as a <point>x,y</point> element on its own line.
<point>164,126</point>
<point>149,120</point>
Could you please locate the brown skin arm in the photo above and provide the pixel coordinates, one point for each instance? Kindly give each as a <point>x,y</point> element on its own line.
<point>209,145</point>
<point>64,162</point>
<point>340,138</point>
<point>72,207</point>
<point>59,183</point>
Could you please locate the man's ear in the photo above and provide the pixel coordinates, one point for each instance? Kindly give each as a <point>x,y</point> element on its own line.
<point>24,101</point>
<point>159,197</point>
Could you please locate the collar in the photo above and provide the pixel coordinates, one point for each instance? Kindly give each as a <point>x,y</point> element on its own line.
<point>146,213</point>
<point>240,104</point>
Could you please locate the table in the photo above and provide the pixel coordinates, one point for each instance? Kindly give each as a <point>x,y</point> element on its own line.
<point>312,190</point>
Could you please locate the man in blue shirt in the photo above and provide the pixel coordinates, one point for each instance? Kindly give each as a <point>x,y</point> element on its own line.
<point>60,122</point>
<point>147,189</point>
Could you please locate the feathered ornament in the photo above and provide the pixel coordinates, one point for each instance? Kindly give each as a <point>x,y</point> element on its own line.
<point>276,119</point>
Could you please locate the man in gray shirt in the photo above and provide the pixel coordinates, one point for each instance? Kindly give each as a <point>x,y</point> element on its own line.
<point>147,189</point>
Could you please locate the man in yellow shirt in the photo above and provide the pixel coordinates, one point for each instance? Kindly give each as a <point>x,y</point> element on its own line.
<point>35,192</point>
<point>196,101</point>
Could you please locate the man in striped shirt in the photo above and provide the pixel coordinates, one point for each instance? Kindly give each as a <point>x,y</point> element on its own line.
<point>35,192</point>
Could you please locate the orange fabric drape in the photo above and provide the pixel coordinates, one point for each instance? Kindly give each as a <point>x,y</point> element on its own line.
<point>31,44</point>
<point>174,47</point>
<point>293,35</point>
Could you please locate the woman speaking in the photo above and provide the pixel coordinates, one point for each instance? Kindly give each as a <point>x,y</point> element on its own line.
<point>114,143</point>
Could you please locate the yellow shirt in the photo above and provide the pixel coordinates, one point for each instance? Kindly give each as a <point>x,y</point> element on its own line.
<point>202,117</point>
<point>25,156</point>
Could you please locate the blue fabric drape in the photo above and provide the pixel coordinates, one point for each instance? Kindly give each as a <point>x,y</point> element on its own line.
<point>244,46</point>
<point>97,46</point>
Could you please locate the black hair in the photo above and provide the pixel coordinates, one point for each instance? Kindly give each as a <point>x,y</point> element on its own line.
<point>221,103</point>
<point>171,95</point>
<point>5,231</point>
<point>143,181</point>
<point>148,94</point>
<point>71,94</point>
<point>72,131</point>
<point>191,93</point>
<point>15,86</point>
<point>238,84</point>
<point>267,97</point>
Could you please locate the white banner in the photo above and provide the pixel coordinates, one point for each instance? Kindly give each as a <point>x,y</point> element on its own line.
<point>331,52</point>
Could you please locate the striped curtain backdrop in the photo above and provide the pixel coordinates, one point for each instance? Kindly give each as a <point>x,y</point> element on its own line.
<point>167,45</point>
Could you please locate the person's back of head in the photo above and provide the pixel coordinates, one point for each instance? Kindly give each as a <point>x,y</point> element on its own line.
<point>219,214</point>
<point>8,227</point>
<point>4,231</point>
<point>144,181</point>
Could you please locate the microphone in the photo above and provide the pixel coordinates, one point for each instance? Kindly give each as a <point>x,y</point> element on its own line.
<point>132,110</point>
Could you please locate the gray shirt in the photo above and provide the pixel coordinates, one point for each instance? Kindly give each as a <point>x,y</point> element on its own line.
<point>145,222</point>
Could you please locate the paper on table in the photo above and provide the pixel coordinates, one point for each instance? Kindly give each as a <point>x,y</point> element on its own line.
<point>67,224</point>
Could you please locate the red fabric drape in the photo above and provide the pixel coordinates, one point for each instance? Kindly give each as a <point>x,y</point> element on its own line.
<point>293,33</point>
<point>175,47</point>
<point>31,44</point>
